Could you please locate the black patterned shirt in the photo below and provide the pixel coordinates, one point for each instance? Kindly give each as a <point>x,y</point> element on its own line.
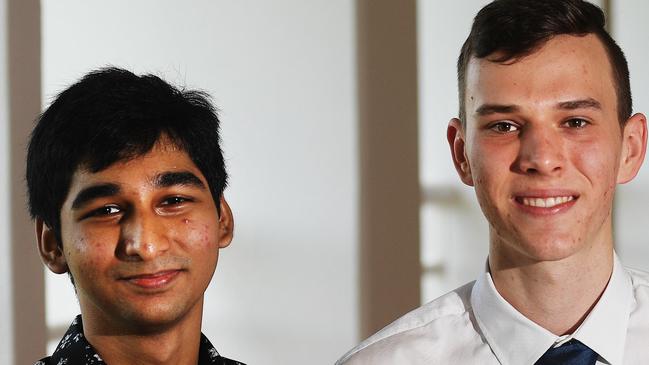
<point>74,349</point>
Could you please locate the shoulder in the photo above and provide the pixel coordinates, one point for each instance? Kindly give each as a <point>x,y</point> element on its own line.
<point>637,330</point>
<point>639,278</point>
<point>207,354</point>
<point>439,326</point>
<point>640,284</point>
<point>225,361</point>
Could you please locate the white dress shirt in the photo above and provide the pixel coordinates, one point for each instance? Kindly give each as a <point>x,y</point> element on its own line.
<point>475,325</point>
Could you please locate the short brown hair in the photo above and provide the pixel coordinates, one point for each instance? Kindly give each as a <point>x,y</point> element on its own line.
<point>517,28</point>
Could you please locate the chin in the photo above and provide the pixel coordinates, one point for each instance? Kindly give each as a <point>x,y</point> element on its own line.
<point>522,249</point>
<point>155,316</point>
<point>549,248</point>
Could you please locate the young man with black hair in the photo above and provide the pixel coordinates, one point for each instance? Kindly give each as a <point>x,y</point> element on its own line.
<point>545,133</point>
<point>126,177</point>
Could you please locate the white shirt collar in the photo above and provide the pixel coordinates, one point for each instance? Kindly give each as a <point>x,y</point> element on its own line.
<point>605,328</point>
<point>514,339</point>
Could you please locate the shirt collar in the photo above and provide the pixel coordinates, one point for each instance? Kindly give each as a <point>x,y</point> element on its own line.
<point>75,349</point>
<point>605,328</point>
<point>515,339</point>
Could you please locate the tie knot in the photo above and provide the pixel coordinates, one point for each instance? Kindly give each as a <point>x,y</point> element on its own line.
<point>572,352</point>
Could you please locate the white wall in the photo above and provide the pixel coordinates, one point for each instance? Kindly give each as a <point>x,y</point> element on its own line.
<point>6,310</point>
<point>631,31</point>
<point>282,73</point>
<point>454,232</point>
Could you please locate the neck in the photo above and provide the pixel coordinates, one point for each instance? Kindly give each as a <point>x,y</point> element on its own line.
<point>559,294</point>
<point>175,343</point>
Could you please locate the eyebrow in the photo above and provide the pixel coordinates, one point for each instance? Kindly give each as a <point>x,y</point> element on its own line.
<point>163,180</point>
<point>94,192</point>
<point>588,103</point>
<point>487,109</point>
<point>183,178</point>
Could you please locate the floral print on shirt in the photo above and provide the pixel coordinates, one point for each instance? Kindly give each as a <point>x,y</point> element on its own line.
<point>74,349</point>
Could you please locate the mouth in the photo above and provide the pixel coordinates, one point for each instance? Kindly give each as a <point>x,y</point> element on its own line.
<point>545,202</point>
<point>156,280</point>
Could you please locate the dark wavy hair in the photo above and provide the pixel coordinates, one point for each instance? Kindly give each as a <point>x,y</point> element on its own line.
<point>516,28</point>
<point>113,115</point>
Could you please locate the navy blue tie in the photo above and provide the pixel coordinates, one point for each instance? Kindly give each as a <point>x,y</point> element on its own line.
<point>572,352</point>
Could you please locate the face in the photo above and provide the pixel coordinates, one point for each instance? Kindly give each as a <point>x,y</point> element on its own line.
<point>544,149</point>
<point>140,238</point>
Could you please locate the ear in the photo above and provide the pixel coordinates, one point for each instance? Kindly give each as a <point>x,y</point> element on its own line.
<point>50,250</point>
<point>456,140</point>
<point>226,224</point>
<point>634,146</point>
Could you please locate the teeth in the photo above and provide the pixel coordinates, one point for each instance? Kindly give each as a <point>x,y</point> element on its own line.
<point>547,202</point>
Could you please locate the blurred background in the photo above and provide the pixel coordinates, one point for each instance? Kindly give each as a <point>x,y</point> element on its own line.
<point>348,211</point>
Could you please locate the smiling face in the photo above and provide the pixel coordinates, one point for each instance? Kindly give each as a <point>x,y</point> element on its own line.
<point>544,148</point>
<point>141,239</point>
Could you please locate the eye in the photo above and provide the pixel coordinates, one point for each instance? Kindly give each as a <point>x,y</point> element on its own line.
<point>174,200</point>
<point>576,123</point>
<point>503,127</point>
<point>105,211</point>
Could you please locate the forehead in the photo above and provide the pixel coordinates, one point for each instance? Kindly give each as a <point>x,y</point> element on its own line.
<point>565,68</point>
<point>141,170</point>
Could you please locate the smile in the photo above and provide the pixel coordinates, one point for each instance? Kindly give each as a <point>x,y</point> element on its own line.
<point>156,280</point>
<point>546,202</point>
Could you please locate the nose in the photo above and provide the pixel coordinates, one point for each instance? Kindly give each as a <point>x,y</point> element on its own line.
<point>143,237</point>
<point>541,152</point>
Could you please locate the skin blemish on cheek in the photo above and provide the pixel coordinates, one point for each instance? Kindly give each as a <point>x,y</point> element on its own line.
<point>205,235</point>
<point>609,191</point>
<point>149,248</point>
<point>198,235</point>
<point>81,245</point>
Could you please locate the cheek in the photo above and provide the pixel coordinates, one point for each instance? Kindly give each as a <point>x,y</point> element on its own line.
<point>600,166</point>
<point>489,175</point>
<point>488,158</point>
<point>489,190</point>
<point>199,234</point>
<point>86,256</point>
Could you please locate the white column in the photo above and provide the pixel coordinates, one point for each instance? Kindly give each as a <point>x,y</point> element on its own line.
<point>631,215</point>
<point>389,200</point>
